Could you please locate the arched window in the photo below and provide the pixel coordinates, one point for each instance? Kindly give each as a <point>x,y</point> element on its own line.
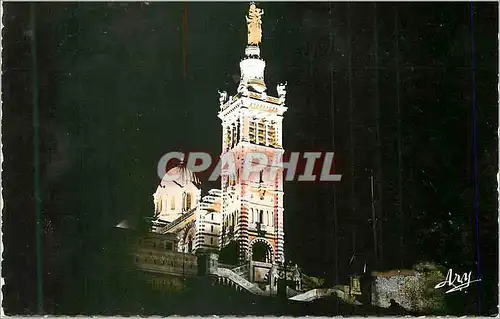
<point>188,201</point>
<point>252,131</point>
<point>261,252</point>
<point>238,128</point>
<point>158,203</point>
<point>261,138</point>
<point>172,203</point>
<point>261,216</point>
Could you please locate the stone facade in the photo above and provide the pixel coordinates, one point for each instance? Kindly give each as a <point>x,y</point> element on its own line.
<point>394,285</point>
<point>157,255</point>
<point>159,251</point>
<point>411,289</point>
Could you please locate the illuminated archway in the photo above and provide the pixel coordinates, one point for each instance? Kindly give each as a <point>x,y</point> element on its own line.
<point>188,239</point>
<point>261,250</point>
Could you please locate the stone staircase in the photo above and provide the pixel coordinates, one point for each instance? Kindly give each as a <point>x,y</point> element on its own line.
<point>237,277</point>
<point>242,270</point>
<point>229,277</point>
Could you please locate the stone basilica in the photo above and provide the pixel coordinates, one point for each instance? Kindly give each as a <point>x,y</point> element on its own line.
<point>234,233</point>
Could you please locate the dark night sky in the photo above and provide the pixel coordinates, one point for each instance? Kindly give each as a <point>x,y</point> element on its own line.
<point>392,83</point>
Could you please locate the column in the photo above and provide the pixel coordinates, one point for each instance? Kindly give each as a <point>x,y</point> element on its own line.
<point>243,233</point>
<point>279,225</point>
<point>243,127</point>
<point>224,134</point>
<point>279,137</point>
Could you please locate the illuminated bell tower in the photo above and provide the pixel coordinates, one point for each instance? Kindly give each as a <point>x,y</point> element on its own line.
<point>252,207</point>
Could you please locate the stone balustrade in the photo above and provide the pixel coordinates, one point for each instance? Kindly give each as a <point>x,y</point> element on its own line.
<point>240,281</point>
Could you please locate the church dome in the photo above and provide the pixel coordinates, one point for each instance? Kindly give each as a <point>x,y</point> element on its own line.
<point>181,175</point>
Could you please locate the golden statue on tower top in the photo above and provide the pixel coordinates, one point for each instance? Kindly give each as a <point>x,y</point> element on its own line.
<point>254,22</point>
